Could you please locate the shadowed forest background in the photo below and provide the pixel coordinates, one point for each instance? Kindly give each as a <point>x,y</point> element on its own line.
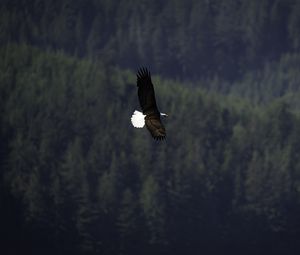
<point>77,178</point>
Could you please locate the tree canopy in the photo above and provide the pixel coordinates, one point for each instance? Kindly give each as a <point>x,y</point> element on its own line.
<point>228,173</point>
<point>77,178</point>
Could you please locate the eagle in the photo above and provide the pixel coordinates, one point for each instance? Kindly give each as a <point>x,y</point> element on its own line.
<point>150,115</point>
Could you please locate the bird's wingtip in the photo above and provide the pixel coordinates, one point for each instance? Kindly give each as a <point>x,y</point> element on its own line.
<point>142,72</point>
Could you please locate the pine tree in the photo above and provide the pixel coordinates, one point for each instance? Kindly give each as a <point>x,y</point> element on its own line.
<point>127,223</point>
<point>153,210</point>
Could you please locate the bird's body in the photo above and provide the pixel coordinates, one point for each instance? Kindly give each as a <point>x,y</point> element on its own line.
<point>151,115</point>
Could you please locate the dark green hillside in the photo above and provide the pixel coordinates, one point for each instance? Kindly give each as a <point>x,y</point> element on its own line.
<point>244,48</point>
<point>77,178</point>
<point>184,39</point>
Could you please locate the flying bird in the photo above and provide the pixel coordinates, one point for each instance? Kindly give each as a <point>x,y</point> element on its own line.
<point>150,115</point>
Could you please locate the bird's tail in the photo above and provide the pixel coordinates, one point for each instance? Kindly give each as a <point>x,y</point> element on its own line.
<point>138,119</point>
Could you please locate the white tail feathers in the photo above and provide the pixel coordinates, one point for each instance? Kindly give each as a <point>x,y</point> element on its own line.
<point>138,119</point>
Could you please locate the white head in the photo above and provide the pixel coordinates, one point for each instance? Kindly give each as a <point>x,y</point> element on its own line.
<point>138,119</point>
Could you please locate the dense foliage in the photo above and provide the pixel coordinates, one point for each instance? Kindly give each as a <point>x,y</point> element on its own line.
<point>254,44</point>
<point>188,39</point>
<point>76,178</point>
<point>86,182</point>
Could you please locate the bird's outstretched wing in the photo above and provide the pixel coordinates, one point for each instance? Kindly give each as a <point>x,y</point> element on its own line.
<point>148,104</point>
<point>146,92</point>
<point>155,127</point>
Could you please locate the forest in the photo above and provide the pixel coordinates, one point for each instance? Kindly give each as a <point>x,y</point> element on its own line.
<point>77,178</point>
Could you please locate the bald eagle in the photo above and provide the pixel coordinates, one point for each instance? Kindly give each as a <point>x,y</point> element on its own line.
<point>150,115</point>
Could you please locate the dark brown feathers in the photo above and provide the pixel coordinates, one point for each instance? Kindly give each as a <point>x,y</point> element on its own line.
<point>155,127</point>
<point>147,100</point>
<point>146,92</point>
